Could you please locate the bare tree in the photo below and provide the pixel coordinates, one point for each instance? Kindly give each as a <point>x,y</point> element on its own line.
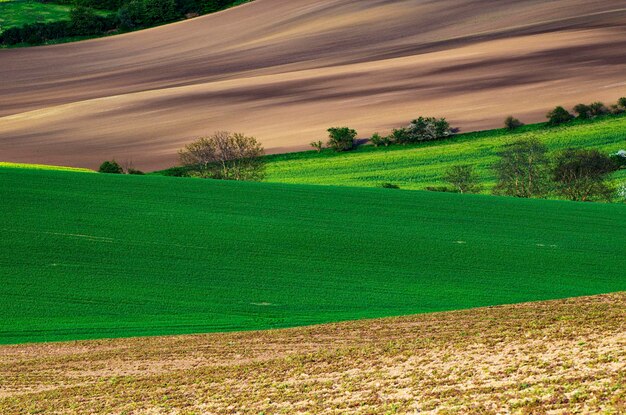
<point>523,169</point>
<point>226,156</point>
<point>463,178</point>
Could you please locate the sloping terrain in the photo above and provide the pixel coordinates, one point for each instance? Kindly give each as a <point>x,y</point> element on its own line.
<point>285,70</point>
<point>425,164</point>
<point>86,255</point>
<point>557,357</point>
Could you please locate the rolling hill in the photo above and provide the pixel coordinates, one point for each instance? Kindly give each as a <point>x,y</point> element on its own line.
<point>285,70</point>
<point>425,164</point>
<point>92,255</point>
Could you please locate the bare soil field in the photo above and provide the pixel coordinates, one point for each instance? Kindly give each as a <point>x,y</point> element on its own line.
<point>559,357</point>
<point>285,70</point>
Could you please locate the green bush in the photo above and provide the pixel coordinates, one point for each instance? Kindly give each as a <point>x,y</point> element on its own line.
<point>318,145</point>
<point>132,15</point>
<point>428,129</point>
<point>444,189</point>
<point>341,138</point>
<point>85,21</point>
<point>583,111</point>
<point>160,11</point>
<point>390,186</point>
<point>111,167</point>
<point>35,33</point>
<point>177,171</point>
<point>598,109</point>
<point>400,136</point>
<point>378,140</point>
<point>558,116</point>
<point>511,123</point>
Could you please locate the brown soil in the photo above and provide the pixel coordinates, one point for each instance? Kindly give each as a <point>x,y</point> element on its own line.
<point>559,357</point>
<point>285,70</point>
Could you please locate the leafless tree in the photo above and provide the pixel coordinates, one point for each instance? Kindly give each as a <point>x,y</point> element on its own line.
<point>523,169</point>
<point>226,156</point>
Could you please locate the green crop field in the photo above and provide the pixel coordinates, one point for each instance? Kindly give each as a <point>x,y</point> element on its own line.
<point>15,13</point>
<point>93,255</point>
<point>43,167</point>
<point>422,165</point>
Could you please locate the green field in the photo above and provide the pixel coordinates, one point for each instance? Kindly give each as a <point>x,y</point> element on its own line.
<point>93,255</point>
<point>43,167</point>
<point>15,13</point>
<point>422,165</point>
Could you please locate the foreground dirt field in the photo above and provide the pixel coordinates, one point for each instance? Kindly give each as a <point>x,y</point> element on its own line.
<point>285,70</point>
<point>557,357</point>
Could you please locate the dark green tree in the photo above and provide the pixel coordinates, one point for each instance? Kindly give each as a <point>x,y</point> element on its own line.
<point>511,123</point>
<point>378,140</point>
<point>160,11</point>
<point>85,21</point>
<point>558,116</point>
<point>111,167</point>
<point>581,174</point>
<point>132,15</point>
<point>400,136</point>
<point>341,138</point>
<point>597,109</point>
<point>583,111</point>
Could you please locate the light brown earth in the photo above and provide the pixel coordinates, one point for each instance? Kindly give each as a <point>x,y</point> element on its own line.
<point>285,70</point>
<point>556,357</point>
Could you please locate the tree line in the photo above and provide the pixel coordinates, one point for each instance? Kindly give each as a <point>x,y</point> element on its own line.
<point>526,170</point>
<point>99,17</point>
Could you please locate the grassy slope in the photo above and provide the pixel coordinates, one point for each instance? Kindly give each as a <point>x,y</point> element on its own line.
<point>419,166</point>
<point>43,167</point>
<point>561,357</point>
<point>88,255</point>
<point>15,13</point>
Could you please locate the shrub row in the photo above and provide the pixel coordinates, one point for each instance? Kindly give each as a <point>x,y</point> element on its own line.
<point>560,115</point>
<point>419,130</point>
